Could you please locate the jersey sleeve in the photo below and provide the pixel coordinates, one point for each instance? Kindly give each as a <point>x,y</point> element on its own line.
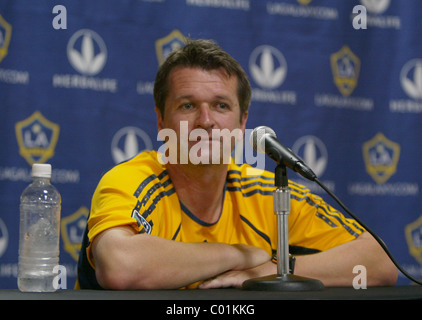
<point>315,226</point>
<point>112,204</point>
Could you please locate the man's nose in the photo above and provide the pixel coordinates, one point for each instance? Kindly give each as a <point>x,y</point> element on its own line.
<point>204,118</point>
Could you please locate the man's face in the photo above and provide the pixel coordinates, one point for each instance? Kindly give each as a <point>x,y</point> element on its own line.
<point>203,110</point>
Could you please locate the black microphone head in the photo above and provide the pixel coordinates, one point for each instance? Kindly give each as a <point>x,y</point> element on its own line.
<point>256,136</point>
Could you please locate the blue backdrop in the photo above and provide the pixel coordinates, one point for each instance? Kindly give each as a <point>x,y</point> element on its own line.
<point>342,90</point>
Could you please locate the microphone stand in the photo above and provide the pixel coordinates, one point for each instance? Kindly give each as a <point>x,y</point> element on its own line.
<point>283,280</point>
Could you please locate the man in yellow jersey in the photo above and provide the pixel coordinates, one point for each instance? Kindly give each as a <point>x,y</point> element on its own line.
<point>161,221</point>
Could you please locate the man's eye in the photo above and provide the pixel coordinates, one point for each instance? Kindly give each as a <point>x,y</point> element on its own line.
<point>222,106</point>
<point>186,106</point>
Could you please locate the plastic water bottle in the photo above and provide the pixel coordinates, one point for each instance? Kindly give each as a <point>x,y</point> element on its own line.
<point>40,206</point>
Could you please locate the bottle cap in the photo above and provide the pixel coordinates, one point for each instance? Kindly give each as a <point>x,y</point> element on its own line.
<point>41,170</point>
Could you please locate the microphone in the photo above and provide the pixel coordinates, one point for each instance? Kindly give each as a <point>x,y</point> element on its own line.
<point>264,140</point>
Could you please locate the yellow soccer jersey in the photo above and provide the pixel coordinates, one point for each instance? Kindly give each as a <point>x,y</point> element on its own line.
<point>139,193</point>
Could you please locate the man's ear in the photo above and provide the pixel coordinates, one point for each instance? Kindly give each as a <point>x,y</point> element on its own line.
<point>243,121</point>
<point>159,119</point>
<point>160,124</point>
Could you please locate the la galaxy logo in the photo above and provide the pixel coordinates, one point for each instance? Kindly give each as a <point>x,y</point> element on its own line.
<point>72,229</point>
<point>5,35</point>
<point>166,45</point>
<point>381,157</point>
<point>37,138</point>
<point>413,233</point>
<point>345,66</point>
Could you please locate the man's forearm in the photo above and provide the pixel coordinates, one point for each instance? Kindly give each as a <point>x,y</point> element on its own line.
<point>131,261</point>
<point>334,267</point>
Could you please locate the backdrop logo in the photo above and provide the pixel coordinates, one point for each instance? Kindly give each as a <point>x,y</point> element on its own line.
<point>313,152</point>
<point>268,67</point>
<point>5,34</point>
<point>304,2</point>
<point>413,232</point>
<point>72,230</point>
<point>128,142</point>
<point>376,16</point>
<point>37,138</point>
<point>4,237</point>
<point>376,6</point>
<point>345,66</point>
<point>168,44</point>
<point>87,52</point>
<point>381,157</point>
<point>411,78</point>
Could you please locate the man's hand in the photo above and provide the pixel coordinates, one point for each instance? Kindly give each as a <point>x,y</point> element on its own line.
<point>235,278</point>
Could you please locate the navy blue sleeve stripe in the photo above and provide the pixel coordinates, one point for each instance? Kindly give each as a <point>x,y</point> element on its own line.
<point>325,213</point>
<point>236,183</point>
<point>145,182</point>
